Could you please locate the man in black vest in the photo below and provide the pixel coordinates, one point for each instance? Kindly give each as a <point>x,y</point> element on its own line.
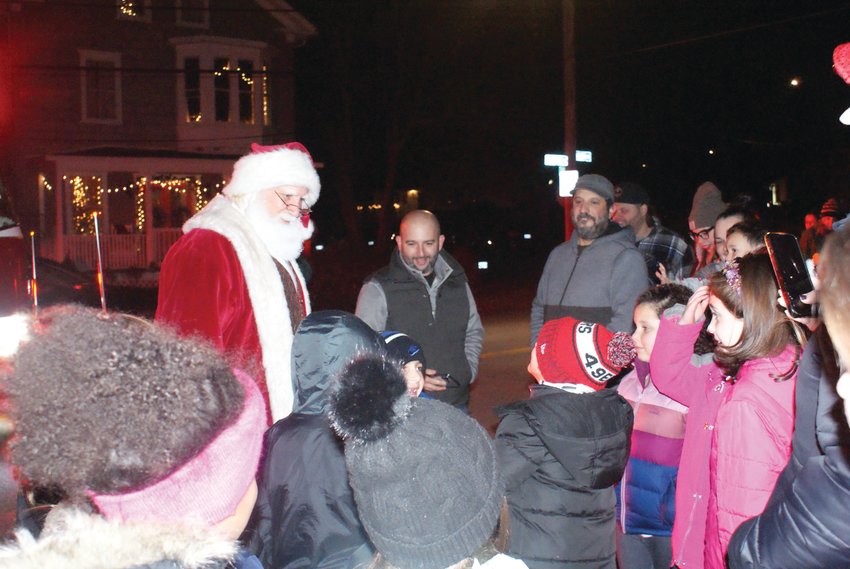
<point>424,293</point>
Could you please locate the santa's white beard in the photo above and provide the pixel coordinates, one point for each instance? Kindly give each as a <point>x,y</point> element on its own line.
<point>283,235</point>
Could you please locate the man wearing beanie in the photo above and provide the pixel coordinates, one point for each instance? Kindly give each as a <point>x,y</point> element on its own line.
<point>598,274</point>
<point>658,244</point>
<point>232,277</point>
<point>562,451</point>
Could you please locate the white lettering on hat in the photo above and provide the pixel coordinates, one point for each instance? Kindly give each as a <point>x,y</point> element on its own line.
<point>591,361</point>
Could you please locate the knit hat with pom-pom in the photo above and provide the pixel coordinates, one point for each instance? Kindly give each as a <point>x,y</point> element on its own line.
<point>423,473</point>
<point>569,351</point>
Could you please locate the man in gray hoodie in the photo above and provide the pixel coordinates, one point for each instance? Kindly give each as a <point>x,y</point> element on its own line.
<point>598,274</point>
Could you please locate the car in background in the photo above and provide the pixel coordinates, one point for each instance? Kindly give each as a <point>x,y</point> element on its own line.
<point>63,284</point>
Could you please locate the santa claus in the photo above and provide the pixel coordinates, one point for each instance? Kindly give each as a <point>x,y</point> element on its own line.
<point>232,277</point>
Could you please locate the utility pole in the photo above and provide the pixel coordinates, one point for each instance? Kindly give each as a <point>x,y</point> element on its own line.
<point>569,13</point>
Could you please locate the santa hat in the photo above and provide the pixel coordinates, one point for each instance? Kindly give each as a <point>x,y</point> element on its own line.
<point>266,167</point>
<point>569,351</point>
<point>841,64</point>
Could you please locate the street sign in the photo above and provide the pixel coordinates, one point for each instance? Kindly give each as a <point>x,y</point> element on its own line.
<point>556,160</point>
<point>584,156</point>
<point>567,182</point>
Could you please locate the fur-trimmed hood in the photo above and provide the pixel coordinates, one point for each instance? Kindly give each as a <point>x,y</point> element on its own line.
<point>72,538</point>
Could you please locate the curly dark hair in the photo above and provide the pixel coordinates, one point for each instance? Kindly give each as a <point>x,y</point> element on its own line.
<point>113,403</point>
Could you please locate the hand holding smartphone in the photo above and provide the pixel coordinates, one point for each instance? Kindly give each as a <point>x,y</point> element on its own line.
<point>791,272</point>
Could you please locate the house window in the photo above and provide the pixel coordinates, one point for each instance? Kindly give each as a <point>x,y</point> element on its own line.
<point>192,87</point>
<point>193,13</point>
<point>221,83</point>
<point>246,91</point>
<point>101,87</point>
<point>134,10</point>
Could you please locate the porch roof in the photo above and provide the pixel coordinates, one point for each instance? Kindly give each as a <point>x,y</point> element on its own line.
<point>142,161</point>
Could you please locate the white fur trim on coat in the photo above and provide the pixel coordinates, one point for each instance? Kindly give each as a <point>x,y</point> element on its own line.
<point>266,292</point>
<point>281,167</point>
<point>75,539</point>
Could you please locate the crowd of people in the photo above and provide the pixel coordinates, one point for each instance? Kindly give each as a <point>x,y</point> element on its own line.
<point>678,415</point>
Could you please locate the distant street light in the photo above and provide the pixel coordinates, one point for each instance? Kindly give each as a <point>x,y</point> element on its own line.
<point>796,81</point>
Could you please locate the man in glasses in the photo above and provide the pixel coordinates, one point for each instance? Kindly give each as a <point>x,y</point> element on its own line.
<point>233,279</point>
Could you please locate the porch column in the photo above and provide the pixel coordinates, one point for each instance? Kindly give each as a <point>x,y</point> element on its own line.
<point>149,236</point>
<point>59,243</point>
<point>104,203</point>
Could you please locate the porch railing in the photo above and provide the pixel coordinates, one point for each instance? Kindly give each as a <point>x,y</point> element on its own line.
<point>119,251</point>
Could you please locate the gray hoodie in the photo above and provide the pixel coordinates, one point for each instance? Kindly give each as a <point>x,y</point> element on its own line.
<point>598,284</point>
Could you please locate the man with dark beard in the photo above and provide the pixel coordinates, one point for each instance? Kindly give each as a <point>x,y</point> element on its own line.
<point>232,277</point>
<point>598,274</point>
<point>424,293</point>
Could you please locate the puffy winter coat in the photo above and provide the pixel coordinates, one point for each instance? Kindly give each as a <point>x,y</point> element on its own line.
<point>305,514</point>
<point>804,525</point>
<point>741,432</point>
<point>561,455</point>
<point>646,496</point>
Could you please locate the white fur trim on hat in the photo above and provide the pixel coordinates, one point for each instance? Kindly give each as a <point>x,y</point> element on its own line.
<point>270,168</point>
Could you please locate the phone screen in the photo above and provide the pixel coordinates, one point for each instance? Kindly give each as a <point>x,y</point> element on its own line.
<point>790,270</point>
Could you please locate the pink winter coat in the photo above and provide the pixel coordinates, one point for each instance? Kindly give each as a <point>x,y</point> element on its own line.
<point>744,483</point>
<point>751,446</point>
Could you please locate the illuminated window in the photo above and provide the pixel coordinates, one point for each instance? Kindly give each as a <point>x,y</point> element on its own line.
<point>192,79</point>
<point>246,91</point>
<point>193,13</point>
<point>101,87</point>
<point>221,82</point>
<point>134,10</point>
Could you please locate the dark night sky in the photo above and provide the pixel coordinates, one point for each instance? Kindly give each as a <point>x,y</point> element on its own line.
<point>659,82</point>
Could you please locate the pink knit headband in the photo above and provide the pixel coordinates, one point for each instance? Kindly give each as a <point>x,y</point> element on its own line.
<point>207,488</point>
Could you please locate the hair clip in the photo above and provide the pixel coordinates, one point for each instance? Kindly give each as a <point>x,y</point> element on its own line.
<point>733,275</point>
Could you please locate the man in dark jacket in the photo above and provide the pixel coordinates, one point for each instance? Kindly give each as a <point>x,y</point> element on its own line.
<point>305,514</point>
<point>562,451</point>
<point>598,274</point>
<point>804,525</point>
<point>424,293</point>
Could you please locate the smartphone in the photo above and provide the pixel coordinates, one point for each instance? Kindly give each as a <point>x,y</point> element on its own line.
<point>451,381</point>
<point>789,266</point>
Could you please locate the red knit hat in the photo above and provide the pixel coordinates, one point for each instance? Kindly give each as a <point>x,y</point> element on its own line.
<point>569,351</point>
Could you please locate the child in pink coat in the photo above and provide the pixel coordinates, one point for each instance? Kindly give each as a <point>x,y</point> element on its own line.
<point>741,406</point>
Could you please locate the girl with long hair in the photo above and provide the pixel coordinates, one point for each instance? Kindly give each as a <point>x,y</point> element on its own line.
<point>741,405</point>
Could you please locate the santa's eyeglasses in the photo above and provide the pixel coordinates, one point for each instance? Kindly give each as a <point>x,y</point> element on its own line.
<point>301,204</point>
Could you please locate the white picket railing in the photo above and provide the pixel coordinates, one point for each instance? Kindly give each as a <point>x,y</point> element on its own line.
<point>119,251</point>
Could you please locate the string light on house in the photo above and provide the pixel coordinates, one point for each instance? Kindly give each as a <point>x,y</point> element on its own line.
<point>130,8</point>
<point>140,204</point>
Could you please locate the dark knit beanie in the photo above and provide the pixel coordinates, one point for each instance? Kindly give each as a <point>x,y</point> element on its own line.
<point>597,184</point>
<point>707,205</point>
<point>424,474</point>
<point>569,351</point>
<point>403,347</point>
<point>631,193</point>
